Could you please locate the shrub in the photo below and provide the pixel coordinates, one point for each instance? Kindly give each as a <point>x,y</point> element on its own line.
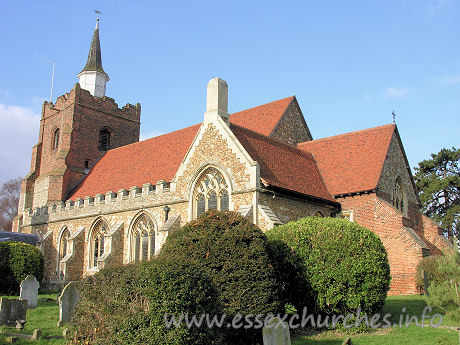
<point>17,261</point>
<point>234,253</point>
<point>444,287</point>
<point>430,266</point>
<point>127,305</point>
<point>344,263</point>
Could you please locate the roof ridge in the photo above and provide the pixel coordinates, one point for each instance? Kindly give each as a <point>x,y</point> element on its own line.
<point>261,105</point>
<point>348,133</point>
<point>276,141</point>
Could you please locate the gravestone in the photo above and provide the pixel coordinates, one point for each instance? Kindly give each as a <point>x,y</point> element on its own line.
<point>276,333</point>
<point>67,302</point>
<point>29,291</point>
<point>12,310</point>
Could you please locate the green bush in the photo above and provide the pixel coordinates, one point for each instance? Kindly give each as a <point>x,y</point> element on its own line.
<point>17,261</point>
<point>344,264</point>
<point>444,286</point>
<point>234,253</point>
<point>430,266</point>
<point>127,305</point>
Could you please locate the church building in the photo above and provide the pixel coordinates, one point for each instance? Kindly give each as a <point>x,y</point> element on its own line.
<point>97,196</point>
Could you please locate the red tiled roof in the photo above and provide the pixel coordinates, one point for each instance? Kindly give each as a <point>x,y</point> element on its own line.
<point>159,158</point>
<point>351,162</point>
<point>262,119</point>
<point>142,162</point>
<point>282,165</point>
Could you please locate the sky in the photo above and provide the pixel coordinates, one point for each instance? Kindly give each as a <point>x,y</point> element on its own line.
<point>349,63</point>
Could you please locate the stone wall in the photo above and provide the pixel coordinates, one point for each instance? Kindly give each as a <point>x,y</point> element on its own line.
<point>288,209</point>
<point>292,128</point>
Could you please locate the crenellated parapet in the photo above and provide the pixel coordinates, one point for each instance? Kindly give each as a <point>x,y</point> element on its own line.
<point>135,197</point>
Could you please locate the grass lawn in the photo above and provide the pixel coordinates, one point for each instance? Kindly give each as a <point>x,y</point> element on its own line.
<point>45,317</point>
<point>394,335</point>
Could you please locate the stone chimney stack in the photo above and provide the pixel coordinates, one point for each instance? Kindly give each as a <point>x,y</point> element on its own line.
<point>217,100</point>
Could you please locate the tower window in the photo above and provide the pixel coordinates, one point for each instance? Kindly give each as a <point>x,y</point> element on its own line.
<point>56,139</point>
<point>104,140</point>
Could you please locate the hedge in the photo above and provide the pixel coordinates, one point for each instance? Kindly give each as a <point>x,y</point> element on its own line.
<point>17,261</point>
<point>234,253</point>
<point>127,305</point>
<point>343,264</point>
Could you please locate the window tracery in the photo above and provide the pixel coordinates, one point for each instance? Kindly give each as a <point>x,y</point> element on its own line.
<point>143,238</point>
<point>97,242</point>
<point>398,198</point>
<point>211,192</point>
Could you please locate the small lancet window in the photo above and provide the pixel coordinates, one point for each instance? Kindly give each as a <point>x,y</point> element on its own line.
<point>104,140</point>
<point>56,139</point>
<point>211,193</point>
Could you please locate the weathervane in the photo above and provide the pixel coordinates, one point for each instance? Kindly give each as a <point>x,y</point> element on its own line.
<point>394,116</point>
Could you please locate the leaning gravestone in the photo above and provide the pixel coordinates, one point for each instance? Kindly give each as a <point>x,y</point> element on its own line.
<point>67,302</point>
<point>12,310</point>
<point>29,291</point>
<point>276,333</point>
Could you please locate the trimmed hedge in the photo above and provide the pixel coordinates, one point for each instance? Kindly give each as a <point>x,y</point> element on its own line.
<point>17,261</point>
<point>344,264</point>
<point>127,305</point>
<point>234,253</point>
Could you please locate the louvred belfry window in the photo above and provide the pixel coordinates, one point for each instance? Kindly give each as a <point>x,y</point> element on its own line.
<point>211,192</point>
<point>104,140</point>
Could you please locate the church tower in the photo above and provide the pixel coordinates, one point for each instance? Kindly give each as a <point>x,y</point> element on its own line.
<point>92,77</point>
<point>75,132</point>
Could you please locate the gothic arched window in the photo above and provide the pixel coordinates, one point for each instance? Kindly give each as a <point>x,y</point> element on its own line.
<point>211,193</point>
<point>104,140</point>
<point>64,244</point>
<point>142,238</point>
<point>97,242</point>
<point>398,197</point>
<point>56,139</point>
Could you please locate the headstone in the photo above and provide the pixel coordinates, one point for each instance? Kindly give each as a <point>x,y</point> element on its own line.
<point>276,333</point>
<point>347,341</point>
<point>67,302</point>
<point>425,283</point>
<point>37,334</point>
<point>29,291</point>
<point>12,310</point>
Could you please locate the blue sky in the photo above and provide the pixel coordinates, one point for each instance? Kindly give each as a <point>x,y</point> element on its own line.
<point>350,63</point>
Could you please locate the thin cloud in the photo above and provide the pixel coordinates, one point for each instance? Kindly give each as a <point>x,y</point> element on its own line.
<point>18,134</point>
<point>395,92</point>
<point>447,80</point>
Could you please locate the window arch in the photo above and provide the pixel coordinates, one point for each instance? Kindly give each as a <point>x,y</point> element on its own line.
<point>104,139</point>
<point>56,139</point>
<point>211,192</point>
<point>318,214</point>
<point>399,196</point>
<point>142,238</point>
<point>97,242</point>
<point>64,247</point>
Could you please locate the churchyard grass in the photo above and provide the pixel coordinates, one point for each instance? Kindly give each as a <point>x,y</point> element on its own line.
<point>413,334</point>
<point>45,317</point>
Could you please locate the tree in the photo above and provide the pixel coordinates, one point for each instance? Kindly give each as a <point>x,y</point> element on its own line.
<point>438,183</point>
<point>9,199</point>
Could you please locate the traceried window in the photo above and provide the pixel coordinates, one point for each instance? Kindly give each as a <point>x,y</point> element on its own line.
<point>398,197</point>
<point>211,192</point>
<point>104,140</point>
<point>56,139</point>
<point>97,242</point>
<point>143,238</point>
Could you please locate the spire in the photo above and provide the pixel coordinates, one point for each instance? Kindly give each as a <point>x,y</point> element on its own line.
<point>94,62</point>
<point>92,77</point>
